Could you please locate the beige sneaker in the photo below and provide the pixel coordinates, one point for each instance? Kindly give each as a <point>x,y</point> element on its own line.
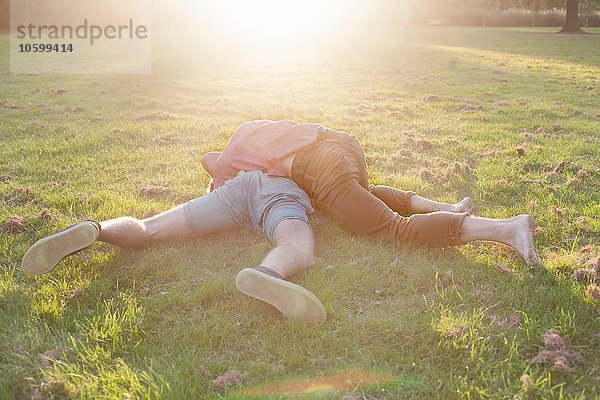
<point>290,299</point>
<point>46,253</point>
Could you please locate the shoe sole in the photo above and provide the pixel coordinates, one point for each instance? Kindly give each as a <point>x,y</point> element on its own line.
<point>46,253</point>
<point>290,299</point>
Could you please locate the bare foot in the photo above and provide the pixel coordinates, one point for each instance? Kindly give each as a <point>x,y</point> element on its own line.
<point>520,238</point>
<point>465,205</point>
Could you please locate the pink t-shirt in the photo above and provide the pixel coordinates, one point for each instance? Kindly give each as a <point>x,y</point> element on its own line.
<point>260,146</point>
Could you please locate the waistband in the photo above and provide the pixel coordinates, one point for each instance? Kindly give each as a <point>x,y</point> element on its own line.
<point>304,166</point>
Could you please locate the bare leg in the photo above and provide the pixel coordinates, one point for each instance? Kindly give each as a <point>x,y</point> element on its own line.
<point>293,253</point>
<point>132,232</point>
<point>423,205</point>
<point>408,203</point>
<point>515,232</point>
<point>294,249</point>
<point>47,252</point>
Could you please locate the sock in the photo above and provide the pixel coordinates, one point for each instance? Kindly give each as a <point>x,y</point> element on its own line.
<point>268,271</point>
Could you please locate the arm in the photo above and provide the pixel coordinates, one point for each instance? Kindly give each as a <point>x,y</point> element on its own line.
<point>209,161</point>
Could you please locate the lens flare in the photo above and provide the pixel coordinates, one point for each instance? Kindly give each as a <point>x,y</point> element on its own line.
<point>337,381</point>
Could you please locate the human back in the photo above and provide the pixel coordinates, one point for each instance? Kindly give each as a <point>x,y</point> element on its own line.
<point>263,145</point>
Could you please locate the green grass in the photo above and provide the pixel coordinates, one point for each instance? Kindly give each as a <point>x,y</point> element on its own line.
<point>440,111</point>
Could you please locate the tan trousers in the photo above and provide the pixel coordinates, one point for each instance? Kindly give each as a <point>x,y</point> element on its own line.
<point>331,178</point>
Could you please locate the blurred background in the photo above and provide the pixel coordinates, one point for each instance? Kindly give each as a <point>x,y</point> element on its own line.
<point>174,13</point>
<point>235,30</point>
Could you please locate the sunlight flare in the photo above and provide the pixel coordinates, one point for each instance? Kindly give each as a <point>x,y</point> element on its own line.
<point>276,22</point>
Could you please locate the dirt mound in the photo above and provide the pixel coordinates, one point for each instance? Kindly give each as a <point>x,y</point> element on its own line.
<point>594,292</point>
<point>510,322</point>
<point>166,139</point>
<point>591,274</point>
<point>153,190</point>
<point>585,275</point>
<point>428,175</point>
<point>560,168</point>
<point>46,215</point>
<point>19,196</point>
<point>469,107</point>
<point>556,353</point>
<point>432,98</point>
<point>14,224</point>
<point>230,378</point>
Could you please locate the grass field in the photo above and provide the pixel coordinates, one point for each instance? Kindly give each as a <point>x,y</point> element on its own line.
<point>510,117</point>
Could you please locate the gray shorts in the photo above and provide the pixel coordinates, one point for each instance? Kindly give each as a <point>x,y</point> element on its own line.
<point>251,200</point>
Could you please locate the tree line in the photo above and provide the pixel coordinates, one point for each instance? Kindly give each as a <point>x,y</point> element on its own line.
<point>453,7</point>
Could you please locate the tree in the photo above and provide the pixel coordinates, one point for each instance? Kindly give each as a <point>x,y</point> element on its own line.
<point>572,20</point>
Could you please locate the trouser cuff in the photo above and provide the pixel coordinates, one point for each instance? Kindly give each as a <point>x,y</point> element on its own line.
<point>455,229</point>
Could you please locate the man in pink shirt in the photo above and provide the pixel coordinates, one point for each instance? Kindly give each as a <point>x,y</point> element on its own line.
<point>263,146</point>
<point>330,166</point>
